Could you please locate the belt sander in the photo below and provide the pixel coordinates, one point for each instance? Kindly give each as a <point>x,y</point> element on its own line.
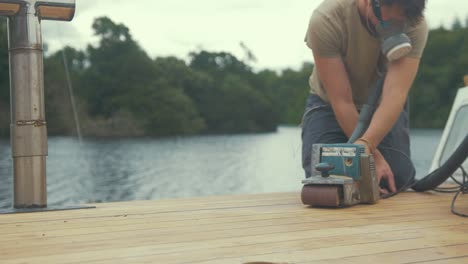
<point>342,175</point>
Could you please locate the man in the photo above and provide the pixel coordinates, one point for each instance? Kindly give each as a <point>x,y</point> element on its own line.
<point>348,44</point>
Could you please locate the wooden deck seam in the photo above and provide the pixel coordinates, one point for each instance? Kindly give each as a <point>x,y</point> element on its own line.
<point>404,250</point>
<point>459,257</point>
<point>127,258</point>
<point>265,243</point>
<point>295,231</point>
<point>162,212</point>
<point>367,218</point>
<point>275,252</point>
<point>296,208</point>
<point>287,224</point>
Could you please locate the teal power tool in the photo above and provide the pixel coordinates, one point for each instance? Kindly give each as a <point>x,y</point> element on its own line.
<point>343,174</point>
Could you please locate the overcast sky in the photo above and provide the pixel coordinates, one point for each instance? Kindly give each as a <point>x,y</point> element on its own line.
<point>273,29</point>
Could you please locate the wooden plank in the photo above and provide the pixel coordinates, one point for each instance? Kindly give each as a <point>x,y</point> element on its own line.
<point>251,222</point>
<point>162,207</point>
<point>213,221</point>
<point>175,215</point>
<point>233,230</point>
<point>212,203</point>
<point>459,260</point>
<point>409,256</point>
<point>308,250</point>
<point>151,235</point>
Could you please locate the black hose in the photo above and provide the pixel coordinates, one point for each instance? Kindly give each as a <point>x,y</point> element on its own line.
<point>440,175</point>
<point>368,110</point>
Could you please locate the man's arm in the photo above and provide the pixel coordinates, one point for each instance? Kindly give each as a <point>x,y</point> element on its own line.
<point>335,80</point>
<point>400,76</point>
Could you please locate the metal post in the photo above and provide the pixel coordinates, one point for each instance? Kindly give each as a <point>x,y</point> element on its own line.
<point>28,125</point>
<point>28,122</point>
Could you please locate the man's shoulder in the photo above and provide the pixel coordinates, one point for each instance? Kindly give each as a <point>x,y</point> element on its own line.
<point>333,8</point>
<point>420,26</point>
<point>326,33</point>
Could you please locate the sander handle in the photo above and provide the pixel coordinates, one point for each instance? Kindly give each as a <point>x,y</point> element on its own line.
<point>325,168</point>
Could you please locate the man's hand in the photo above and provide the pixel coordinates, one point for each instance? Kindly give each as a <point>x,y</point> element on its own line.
<point>382,168</point>
<point>384,171</point>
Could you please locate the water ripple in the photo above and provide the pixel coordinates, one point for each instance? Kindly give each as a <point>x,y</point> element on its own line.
<point>141,169</point>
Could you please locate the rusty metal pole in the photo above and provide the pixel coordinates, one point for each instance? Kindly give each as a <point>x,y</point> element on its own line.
<point>28,121</point>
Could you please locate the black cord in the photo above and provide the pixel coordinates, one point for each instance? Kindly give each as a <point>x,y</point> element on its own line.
<point>463,190</point>
<point>448,190</point>
<point>411,181</point>
<point>455,180</point>
<point>453,189</point>
<point>462,187</point>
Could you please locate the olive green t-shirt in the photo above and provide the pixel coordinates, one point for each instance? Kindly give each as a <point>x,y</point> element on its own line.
<point>335,30</point>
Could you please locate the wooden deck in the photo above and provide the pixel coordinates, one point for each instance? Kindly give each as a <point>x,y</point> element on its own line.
<point>277,228</point>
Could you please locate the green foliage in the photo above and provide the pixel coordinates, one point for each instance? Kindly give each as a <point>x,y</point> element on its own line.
<point>165,110</point>
<point>457,24</point>
<point>57,99</point>
<point>441,72</point>
<point>294,90</point>
<point>118,69</point>
<point>121,91</point>
<point>229,101</point>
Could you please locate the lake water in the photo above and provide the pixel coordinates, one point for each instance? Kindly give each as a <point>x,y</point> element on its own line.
<point>104,170</point>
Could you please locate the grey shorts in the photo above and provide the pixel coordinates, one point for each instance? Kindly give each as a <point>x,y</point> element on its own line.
<point>319,125</point>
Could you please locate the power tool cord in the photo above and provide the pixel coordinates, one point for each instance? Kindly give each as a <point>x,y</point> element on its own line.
<point>460,188</point>
<point>411,180</point>
<point>440,175</point>
<point>463,190</point>
<point>367,110</point>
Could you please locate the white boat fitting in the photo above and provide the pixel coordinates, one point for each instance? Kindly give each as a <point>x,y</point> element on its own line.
<point>454,132</point>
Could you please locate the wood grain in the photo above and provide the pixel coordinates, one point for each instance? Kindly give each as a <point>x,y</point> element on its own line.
<point>263,228</point>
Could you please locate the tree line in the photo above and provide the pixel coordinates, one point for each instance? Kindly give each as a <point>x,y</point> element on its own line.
<point>121,91</point>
